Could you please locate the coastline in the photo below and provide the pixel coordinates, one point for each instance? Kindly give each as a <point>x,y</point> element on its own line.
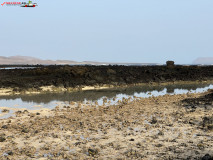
<point>163,127</point>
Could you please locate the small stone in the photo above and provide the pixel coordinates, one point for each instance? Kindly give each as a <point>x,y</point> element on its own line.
<point>4,127</point>
<point>77,143</point>
<point>92,152</point>
<point>10,153</point>
<point>2,139</point>
<point>25,111</point>
<point>200,146</point>
<point>159,145</point>
<point>18,112</point>
<point>207,157</point>
<point>5,111</point>
<point>154,120</point>
<point>25,130</point>
<point>174,140</point>
<point>160,133</point>
<point>210,127</point>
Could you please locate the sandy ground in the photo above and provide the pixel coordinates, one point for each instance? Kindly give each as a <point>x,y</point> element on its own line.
<point>158,128</point>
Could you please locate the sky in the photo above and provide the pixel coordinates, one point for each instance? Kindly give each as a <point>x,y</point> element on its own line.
<point>140,31</point>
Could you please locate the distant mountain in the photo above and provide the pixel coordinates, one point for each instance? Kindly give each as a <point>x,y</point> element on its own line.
<point>31,61</point>
<point>203,60</point>
<point>23,60</point>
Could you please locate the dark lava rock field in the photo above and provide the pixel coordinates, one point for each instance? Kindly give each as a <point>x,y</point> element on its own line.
<point>74,76</point>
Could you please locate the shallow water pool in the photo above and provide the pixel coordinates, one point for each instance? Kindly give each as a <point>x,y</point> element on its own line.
<point>51,100</point>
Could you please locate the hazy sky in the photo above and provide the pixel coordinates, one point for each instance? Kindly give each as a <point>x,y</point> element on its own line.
<point>109,30</point>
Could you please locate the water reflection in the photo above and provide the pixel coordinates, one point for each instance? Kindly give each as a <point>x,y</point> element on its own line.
<point>50,100</point>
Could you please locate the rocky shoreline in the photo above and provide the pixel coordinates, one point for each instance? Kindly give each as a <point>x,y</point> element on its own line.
<point>163,127</point>
<point>78,78</point>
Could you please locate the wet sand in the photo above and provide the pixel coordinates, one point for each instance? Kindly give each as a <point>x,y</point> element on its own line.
<point>164,127</point>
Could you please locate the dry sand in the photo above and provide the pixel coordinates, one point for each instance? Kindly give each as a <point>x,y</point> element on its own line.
<point>146,128</point>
